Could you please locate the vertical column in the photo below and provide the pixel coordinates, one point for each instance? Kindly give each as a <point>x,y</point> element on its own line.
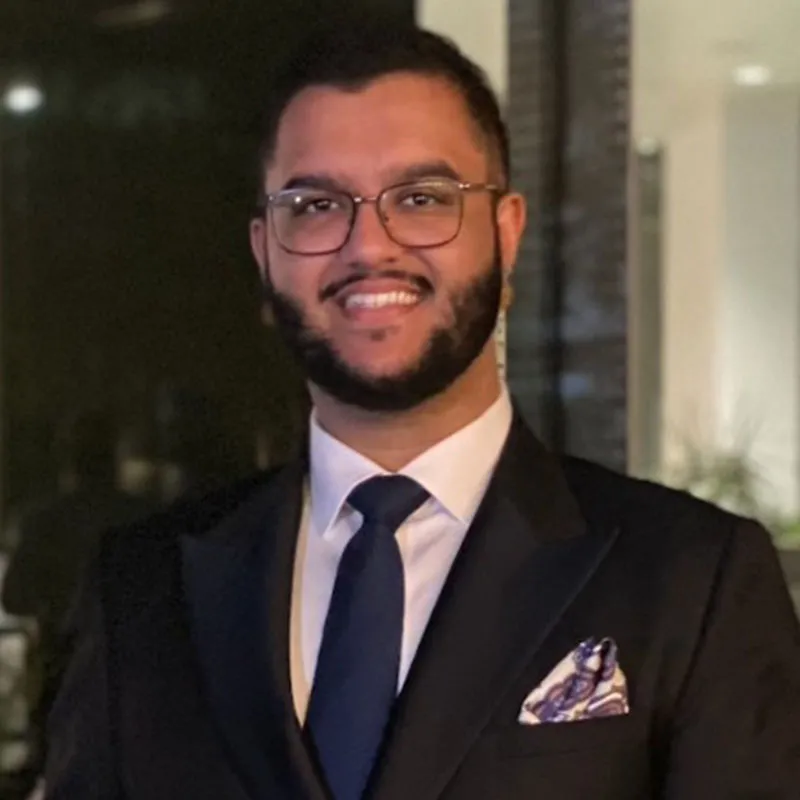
<point>569,112</point>
<point>645,324</point>
<point>595,229</point>
<point>535,116</point>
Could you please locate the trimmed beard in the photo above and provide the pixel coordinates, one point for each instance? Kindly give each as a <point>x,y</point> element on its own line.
<point>447,355</point>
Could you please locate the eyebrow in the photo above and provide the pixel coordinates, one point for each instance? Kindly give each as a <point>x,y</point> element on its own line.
<point>429,169</point>
<point>426,169</point>
<point>318,180</point>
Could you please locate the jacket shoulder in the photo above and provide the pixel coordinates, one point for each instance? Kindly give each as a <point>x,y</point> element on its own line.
<point>670,546</point>
<point>192,516</point>
<point>643,506</point>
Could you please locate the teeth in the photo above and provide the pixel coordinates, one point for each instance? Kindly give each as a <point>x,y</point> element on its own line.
<point>381,300</point>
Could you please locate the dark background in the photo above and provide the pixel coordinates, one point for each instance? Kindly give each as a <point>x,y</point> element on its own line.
<point>126,277</point>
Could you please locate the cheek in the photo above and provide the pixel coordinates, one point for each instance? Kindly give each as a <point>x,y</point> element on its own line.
<point>469,257</point>
<point>289,275</point>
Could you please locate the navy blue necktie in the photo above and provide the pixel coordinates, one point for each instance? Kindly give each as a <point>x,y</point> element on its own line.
<point>355,683</point>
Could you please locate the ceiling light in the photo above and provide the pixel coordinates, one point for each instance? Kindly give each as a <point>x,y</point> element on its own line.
<point>752,75</point>
<point>132,15</point>
<point>648,146</point>
<point>23,98</point>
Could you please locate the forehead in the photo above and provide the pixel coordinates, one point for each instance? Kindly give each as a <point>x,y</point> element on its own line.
<point>365,136</point>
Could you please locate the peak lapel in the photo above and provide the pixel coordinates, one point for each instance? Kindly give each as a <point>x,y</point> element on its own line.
<point>526,557</point>
<point>238,581</point>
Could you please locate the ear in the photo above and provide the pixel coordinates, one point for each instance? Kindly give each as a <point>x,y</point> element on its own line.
<point>258,244</point>
<point>511,216</point>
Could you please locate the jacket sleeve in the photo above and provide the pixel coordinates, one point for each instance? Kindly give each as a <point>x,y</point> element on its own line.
<point>736,731</point>
<point>80,759</point>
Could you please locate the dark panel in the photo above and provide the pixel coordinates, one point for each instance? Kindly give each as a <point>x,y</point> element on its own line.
<point>535,120</point>
<point>570,117</point>
<point>594,320</point>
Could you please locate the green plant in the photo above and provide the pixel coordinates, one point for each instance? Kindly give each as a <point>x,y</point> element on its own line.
<point>730,479</point>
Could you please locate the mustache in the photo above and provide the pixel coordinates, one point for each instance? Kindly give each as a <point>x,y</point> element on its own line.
<point>423,285</point>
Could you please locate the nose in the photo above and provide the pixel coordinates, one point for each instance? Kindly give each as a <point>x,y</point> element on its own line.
<point>369,242</point>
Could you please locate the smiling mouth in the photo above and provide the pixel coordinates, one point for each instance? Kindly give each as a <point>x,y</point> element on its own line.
<point>377,300</point>
<point>380,306</point>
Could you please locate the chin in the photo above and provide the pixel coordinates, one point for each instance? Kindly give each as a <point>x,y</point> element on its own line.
<point>372,372</point>
<point>380,363</point>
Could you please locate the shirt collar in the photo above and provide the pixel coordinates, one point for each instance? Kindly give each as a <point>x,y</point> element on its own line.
<point>336,470</point>
<point>455,471</point>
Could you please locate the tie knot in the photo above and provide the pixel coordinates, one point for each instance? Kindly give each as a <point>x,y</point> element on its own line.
<point>387,500</point>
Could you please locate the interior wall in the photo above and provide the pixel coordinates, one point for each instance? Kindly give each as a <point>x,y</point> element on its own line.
<point>479,27</point>
<point>731,278</point>
<point>693,248</point>
<point>760,324</point>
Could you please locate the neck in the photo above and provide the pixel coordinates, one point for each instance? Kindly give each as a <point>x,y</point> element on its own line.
<point>394,439</point>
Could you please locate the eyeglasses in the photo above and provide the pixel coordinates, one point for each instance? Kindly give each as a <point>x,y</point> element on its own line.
<point>424,213</point>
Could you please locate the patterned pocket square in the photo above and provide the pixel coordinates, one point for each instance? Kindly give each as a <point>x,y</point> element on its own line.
<point>587,684</point>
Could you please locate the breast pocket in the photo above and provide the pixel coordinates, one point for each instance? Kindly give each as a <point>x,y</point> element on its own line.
<point>607,733</point>
<point>603,759</point>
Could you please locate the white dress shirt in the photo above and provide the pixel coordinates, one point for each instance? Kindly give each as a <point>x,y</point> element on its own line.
<point>455,472</point>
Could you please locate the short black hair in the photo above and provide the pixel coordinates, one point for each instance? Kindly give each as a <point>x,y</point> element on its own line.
<point>354,54</point>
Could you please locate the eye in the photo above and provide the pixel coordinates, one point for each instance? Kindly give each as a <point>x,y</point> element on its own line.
<point>419,199</point>
<point>314,205</point>
<point>425,196</point>
<point>305,204</point>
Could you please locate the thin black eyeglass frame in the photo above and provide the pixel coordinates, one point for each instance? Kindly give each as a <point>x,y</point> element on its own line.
<point>265,206</point>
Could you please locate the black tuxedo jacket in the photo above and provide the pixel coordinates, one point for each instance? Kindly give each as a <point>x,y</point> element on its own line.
<point>179,685</point>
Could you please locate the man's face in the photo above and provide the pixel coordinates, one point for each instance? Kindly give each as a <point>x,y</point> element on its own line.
<point>378,324</point>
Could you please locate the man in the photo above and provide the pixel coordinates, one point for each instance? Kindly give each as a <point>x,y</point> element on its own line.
<point>428,604</point>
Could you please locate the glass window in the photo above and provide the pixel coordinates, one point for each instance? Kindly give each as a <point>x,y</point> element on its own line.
<point>715,311</point>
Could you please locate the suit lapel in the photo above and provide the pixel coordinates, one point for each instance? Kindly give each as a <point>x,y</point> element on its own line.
<point>238,581</point>
<point>526,557</point>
